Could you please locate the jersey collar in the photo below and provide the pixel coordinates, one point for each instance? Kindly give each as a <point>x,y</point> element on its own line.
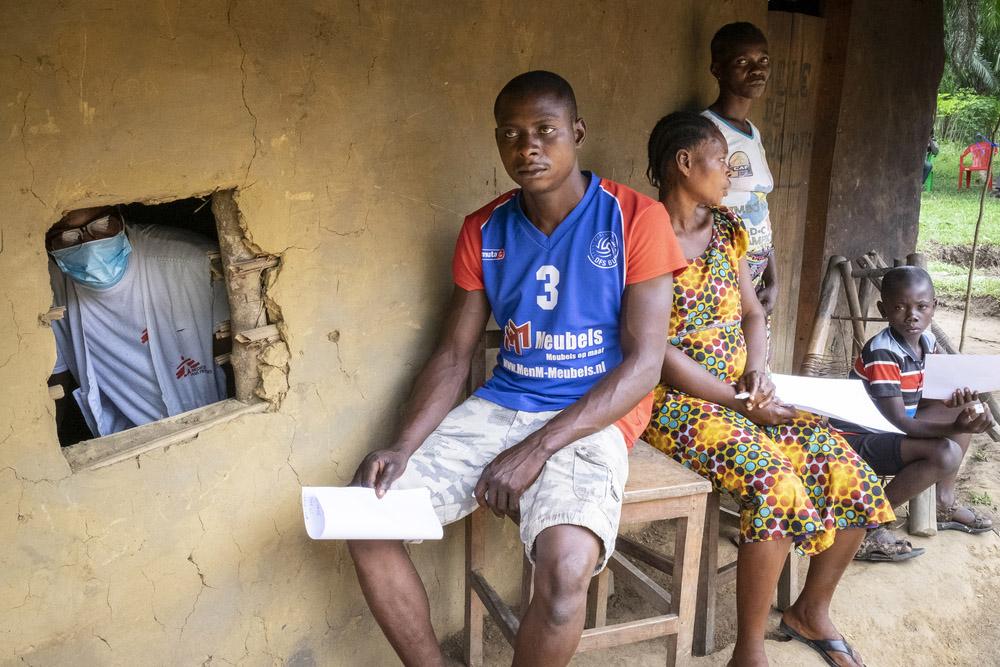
<point>568,222</point>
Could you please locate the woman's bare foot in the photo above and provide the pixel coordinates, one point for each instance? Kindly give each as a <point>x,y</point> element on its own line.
<point>819,627</point>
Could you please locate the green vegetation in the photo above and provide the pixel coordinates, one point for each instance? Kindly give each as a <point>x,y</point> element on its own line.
<point>980,498</point>
<point>968,105</point>
<point>948,215</point>
<point>972,45</point>
<point>963,114</point>
<point>950,281</point>
<point>947,224</point>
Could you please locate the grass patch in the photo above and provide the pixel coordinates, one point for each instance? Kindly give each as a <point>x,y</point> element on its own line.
<point>948,215</point>
<point>947,225</point>
<point>980,498</point>
<point>950,281</point>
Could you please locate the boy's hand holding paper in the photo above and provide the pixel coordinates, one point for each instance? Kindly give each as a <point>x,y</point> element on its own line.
<point>944,373</point>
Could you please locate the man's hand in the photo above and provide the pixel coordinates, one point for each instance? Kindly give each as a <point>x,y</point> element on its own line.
<point>773,414</point>
<point>508,476</point>
<point>380,469</point>
<point>759,386</point>
<point>768,296</point>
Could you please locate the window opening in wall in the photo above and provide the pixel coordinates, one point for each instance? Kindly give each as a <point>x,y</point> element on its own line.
<point>146,300</point>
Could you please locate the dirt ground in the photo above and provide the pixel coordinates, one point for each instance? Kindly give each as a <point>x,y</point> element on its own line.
<point>942,608</point>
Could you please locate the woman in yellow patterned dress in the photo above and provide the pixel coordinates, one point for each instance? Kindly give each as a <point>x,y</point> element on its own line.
<point>794,479</point>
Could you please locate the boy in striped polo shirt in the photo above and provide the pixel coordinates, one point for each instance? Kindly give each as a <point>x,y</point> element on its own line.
<point>936,434</point>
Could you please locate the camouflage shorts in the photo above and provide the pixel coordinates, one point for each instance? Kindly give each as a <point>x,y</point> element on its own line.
<point>581,484</point>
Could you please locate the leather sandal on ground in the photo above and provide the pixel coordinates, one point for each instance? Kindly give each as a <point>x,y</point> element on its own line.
<point>824,647</point>
<point>946,520</point>
<point>891,550</point>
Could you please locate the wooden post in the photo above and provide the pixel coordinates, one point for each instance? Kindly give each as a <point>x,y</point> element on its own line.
<point>597,600</point>
<point>685,581</point>
<point>475,557</point>
<point>923,513</point>
<point>246,306</point>
<point>829,291</point>
<point>975,236</point>
<point>868,288</point>
<point>854,307</point>
<point>704,626</point>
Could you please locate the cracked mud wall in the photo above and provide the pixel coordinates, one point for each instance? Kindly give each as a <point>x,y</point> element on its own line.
<point>357,135</point>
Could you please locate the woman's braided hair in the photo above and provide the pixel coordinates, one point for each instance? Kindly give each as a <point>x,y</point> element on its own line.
<point>674,132</point>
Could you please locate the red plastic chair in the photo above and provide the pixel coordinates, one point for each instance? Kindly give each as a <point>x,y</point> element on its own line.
<point>980,153</point>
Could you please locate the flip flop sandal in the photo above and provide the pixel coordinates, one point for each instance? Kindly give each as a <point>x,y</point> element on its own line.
<point>875,551</point>
<point>822,646</point>
<point>883,555</point>
<point>980,524</point>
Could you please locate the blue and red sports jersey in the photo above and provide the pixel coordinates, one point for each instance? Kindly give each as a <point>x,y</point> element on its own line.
<point>558,298</point>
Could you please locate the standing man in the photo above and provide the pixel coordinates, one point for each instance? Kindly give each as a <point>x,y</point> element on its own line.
<point>578,272</point>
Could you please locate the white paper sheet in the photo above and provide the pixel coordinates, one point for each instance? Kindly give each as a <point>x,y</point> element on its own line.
<point>832,397</point>
<point>354,513</point>
<point>944,373</point>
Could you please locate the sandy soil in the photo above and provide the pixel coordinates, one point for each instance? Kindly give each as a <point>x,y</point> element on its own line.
<point>942,608</point>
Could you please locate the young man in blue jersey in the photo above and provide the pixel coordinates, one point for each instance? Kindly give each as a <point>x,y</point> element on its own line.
<point>578,272</point>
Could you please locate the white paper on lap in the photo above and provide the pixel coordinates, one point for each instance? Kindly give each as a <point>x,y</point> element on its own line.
<point>944,373</point>
<point>355,513</point>
<point>832,397</point>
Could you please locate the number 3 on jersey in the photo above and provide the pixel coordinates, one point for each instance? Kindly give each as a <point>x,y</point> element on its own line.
<point>549,276</point>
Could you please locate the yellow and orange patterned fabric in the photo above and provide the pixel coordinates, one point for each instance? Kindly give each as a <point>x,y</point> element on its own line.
<point>801,479</point>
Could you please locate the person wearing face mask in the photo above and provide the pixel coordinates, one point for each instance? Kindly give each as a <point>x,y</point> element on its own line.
<point>136,342</point>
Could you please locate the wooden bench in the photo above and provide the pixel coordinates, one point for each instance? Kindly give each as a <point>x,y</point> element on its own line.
<point>658,488</point>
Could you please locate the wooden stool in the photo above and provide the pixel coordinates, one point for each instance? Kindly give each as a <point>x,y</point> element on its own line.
<point>658,488</point>
<point>711,575</point>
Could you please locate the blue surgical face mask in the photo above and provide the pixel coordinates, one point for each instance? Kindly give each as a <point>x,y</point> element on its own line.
<point>99,264</point>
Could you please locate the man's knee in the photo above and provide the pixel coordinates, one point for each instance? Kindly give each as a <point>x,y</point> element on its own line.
<point>947,455</point>
<point>562,576</point>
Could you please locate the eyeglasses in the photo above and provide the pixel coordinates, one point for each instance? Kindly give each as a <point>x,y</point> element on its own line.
<point>101,228</point>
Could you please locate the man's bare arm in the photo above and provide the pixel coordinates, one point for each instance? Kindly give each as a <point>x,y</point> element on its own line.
<point>435,391</point>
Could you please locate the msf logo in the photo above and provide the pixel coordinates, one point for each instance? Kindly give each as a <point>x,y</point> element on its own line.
<point>189,367</point>
<point>517,337</point>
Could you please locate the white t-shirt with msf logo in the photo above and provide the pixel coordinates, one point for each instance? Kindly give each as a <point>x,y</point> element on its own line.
<point>750,182</point>
<point>142,350</point>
